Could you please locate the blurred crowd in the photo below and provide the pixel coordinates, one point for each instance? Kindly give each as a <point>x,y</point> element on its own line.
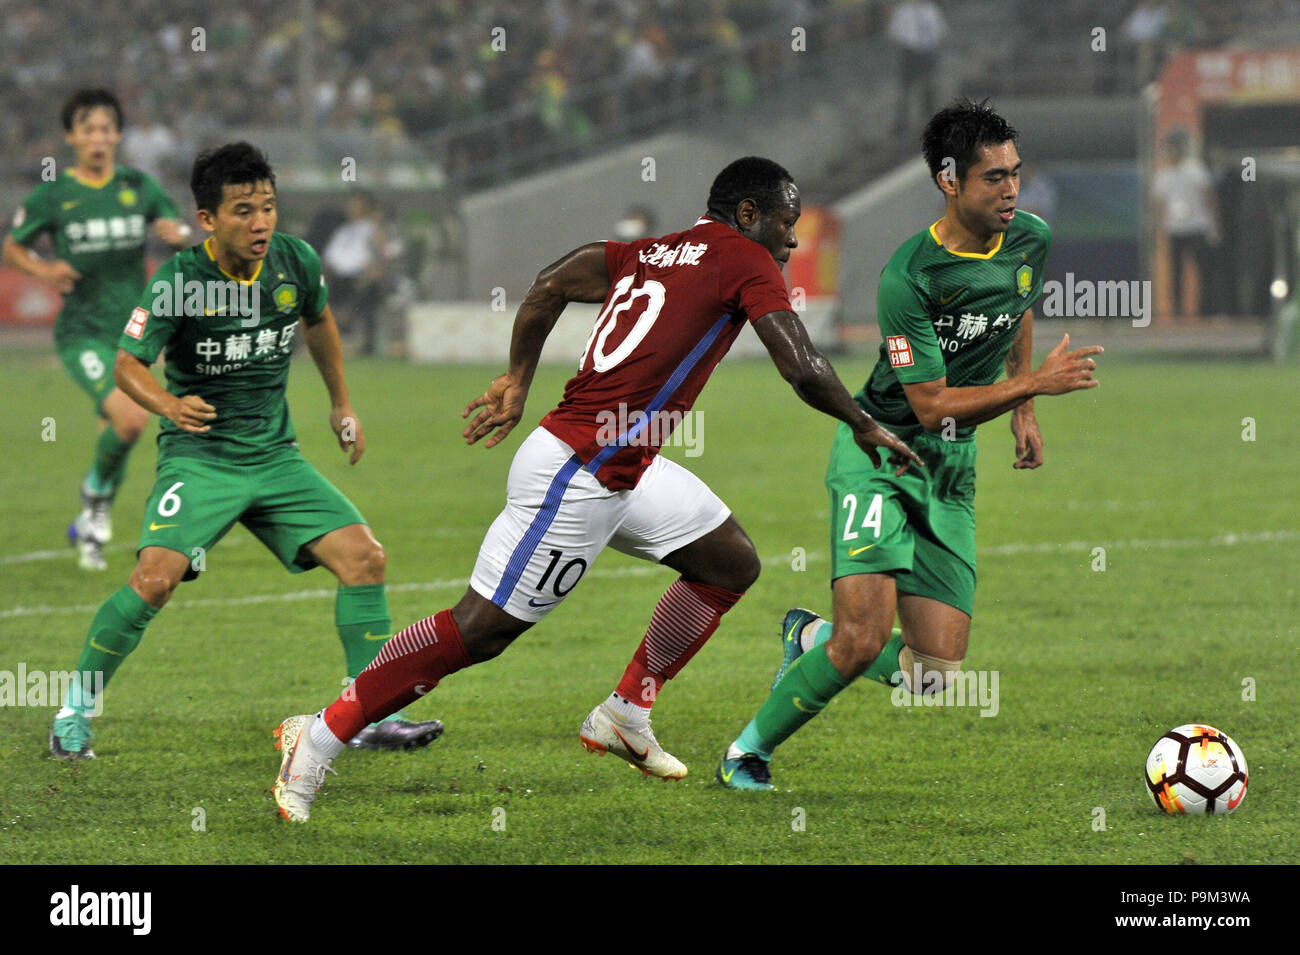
<point>187,68</point>
<point>546,69</point>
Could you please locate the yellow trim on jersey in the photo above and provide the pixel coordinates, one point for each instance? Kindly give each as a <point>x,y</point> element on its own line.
<point>93,183</point>
<point>258,271</point>
<point>967,255</point>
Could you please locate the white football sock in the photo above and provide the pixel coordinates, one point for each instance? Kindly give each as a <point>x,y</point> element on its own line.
<point>808,634</point>
<point>627,711</point>
<point>323,738</point>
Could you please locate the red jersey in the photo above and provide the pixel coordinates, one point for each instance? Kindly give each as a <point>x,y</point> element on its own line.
<point>674,307</point>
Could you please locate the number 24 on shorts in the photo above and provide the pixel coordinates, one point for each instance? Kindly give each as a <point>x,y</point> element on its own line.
<point>872,519</point>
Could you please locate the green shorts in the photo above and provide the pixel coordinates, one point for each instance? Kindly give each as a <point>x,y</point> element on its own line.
<point>919,527</point>
<point>89,362</point>
<point>284,501</point>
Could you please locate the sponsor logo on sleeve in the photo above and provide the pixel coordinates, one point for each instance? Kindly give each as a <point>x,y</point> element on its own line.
<point>135,327</point>
<point>900,351</point>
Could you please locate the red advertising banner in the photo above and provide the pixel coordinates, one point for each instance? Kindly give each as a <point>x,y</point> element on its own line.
<point>25,301</point>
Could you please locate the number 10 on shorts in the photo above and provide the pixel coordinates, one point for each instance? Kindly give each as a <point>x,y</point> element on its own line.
<point>566,579</point>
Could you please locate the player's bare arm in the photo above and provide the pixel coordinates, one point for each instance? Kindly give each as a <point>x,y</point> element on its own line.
<point>1061,372</point>
<point>1024,423</point>
<point>190,413</point>
<point>580,276</point>
<point>173,232</point>
<point>56,272</point>
<point>815,382</point>
<point>322,334</point>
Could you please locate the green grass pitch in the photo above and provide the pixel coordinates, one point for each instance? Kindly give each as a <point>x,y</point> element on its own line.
<point>1192,616</point>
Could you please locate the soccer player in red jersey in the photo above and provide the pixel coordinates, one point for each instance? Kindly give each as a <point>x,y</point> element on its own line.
<point>590,475</point>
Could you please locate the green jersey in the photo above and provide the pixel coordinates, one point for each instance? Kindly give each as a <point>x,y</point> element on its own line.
<point>951,315</point>
<point>100,230</point>
<point>228,341</point>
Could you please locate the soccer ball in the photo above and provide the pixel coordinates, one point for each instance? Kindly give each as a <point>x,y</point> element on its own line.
<point>1196,769</point>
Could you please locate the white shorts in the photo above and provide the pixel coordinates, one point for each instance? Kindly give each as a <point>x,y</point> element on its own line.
<point>558,517</point>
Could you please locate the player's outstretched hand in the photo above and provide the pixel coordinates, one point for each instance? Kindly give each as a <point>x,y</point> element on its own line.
<point>191,414</point>
<point>874,436</point>
<point>1064,371</point>
<point>502,406</point>
<point>1029,440</point>
<point>172,232</point>
<point>347,426</point>
<point>61,275</point>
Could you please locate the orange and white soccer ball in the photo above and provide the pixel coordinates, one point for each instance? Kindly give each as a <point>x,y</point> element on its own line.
<point>1196,769</point>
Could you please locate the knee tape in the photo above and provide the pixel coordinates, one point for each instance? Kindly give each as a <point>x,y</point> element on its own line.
<point>924,675</point>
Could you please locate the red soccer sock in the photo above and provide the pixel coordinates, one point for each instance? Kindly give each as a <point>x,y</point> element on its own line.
<point>686,616</point>
<point>410,665</point>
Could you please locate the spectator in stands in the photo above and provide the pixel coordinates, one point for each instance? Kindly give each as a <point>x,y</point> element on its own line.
<point>1144,29</point>
<point>356,263</point>
<point>1187,215</point>
<point>916,28</point>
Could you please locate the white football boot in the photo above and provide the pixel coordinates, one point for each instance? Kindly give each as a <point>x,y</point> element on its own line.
<point>603,732</point>
<point>92,529</point>
<point>302,770</point>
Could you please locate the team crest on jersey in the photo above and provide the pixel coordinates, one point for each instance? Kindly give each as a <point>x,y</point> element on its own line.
<point>135,326</point>
<point>126,197</point>
<point>900,351</point>
<point>286,297</point>
<point>1024,280</point>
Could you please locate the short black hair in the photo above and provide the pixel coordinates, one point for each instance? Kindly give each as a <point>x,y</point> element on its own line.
<point>234,164</point>
<point>86,99</point>
<point>959,132</point>
<point>752,177</point>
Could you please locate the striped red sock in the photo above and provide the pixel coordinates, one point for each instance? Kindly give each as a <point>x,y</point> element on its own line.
<point>686,616</point>
<point>408,666</point>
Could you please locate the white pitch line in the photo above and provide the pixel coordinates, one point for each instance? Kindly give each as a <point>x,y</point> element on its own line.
<point>63,553</point>
<point>1147,543</point>
<point>1002,550</point>
<point>448,583</point>
<point>69,553</point>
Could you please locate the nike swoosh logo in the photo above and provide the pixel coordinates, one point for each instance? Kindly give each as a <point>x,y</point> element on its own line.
<point>158,527</point>
<point>96,646</point>
<point>70,203</point>
<point>1234,803</point>
<point>726,776</point>
<point>855,551</point>
<point>217,311</point>
<point>532,602</point>
<point>798,705</point>
<point>789,637</point>
<point>945,301</point>
<point>639,757</point>
<point>376,636</point>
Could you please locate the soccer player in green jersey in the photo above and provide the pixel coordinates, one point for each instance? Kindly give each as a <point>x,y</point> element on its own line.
<point>954,310</point>
<point>96,213</point>
<point>227,311</point>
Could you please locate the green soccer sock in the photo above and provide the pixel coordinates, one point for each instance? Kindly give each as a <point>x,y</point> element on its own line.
<point>364,624</point>
<point>115,631</point>
<point>802,693</point>
<point>884,667</point>
<point>109,465</point>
